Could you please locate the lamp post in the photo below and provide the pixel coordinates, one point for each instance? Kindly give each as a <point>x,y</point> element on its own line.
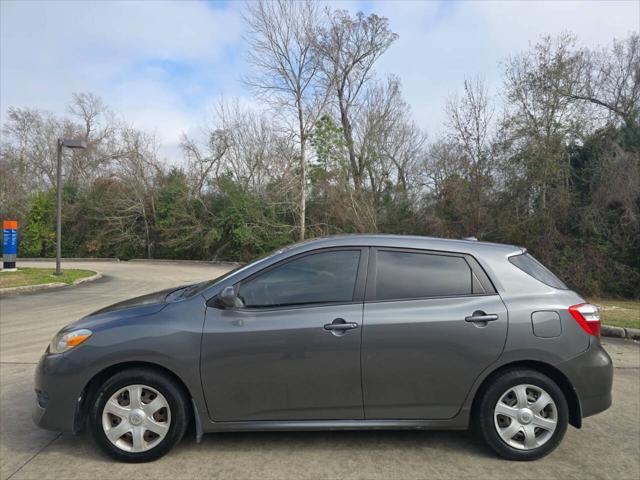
<point>69,143</point>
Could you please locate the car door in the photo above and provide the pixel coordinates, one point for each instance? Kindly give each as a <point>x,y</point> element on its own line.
<point>432,323</point>
<point>292,352</point>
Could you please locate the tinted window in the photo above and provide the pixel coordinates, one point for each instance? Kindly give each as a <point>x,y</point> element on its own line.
<point>414,275</point>
<point>530,265</point>
<point>202,286</point>
<point>317,278</point>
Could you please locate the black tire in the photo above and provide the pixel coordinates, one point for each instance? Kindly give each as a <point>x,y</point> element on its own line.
<point>489,396</point>
<point>167,386</point>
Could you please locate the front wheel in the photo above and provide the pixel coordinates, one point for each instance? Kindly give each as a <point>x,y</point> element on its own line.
<point>522,414</point>
<point>138,415</point>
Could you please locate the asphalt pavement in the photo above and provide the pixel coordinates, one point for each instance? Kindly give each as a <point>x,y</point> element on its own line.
<point>608,445</point>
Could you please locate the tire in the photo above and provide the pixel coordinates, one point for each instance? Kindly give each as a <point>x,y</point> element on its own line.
<point>534,434</point>
<point>145,433</point>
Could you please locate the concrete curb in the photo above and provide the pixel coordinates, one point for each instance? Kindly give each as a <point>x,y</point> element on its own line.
<point>92,278</point>
<point>620,332</point>
<point>196,262</point>
<point>47,286</point>
<point>135,260</point>
<point>31,288</point>
<point>87,259</point>
<point>633,333</point>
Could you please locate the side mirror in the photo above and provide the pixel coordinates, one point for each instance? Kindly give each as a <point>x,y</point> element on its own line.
<point>228,298</point>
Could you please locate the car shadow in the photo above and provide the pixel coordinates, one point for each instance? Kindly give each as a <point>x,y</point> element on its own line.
<point>459,441</point>
<point>238,443</point>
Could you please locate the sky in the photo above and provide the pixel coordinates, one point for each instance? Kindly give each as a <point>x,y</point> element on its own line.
<point>163,65</point>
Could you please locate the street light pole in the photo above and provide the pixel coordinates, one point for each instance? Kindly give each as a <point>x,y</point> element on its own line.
<point>59,208</point>
<point>69,143</point>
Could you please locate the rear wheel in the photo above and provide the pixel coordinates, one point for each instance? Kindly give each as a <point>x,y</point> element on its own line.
<point>522,414</point>
<point>138,415</point>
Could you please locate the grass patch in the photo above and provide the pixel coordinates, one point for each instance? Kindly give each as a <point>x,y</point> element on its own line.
<point>619,313</point>
<point>38,276</point>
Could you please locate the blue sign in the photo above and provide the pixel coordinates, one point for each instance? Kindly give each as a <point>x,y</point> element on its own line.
<point>9,244</point>
<point>9,241</point>
<point>9,237</point>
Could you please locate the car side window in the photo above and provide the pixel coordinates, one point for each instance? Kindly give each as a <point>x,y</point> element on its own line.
<point>406,275</point>
<point>533,267</point>
<point>324,277</point>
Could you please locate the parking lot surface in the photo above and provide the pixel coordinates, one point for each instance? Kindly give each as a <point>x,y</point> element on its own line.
<point>608,445</point>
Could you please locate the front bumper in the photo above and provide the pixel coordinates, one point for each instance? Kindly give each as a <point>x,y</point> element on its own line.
<point>58,392</point>
<point>591,374</point>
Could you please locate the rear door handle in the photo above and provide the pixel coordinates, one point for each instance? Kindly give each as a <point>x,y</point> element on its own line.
<point>339,324</point>
<point>481,317</point>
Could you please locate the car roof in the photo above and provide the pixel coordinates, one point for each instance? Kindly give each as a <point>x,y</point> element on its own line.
<point>410,241</point>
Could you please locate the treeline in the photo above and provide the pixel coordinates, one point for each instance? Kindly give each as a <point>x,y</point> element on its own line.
<point>550,161</point>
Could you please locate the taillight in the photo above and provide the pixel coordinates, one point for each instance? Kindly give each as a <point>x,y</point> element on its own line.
<point>587,316</point>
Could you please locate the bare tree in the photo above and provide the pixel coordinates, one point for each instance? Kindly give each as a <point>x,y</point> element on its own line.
<point>137,170</point>
<point>241,143</point>
<point>281,37</point>
<point>443,159</point>
<point>389,143</point>
<point>349,48</point>
<point>541,120</point>
<point>203,162</point>
<point>470,121</point>
<point>610,78</point>
<point>31,139</point>
<point>253,141</point>
<point>89,108</point>
<point>99,127</point>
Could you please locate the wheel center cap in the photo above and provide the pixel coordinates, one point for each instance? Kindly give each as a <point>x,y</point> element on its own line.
<point>525,416</point>
<point>136,417</point>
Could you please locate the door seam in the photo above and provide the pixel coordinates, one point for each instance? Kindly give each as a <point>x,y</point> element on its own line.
<point>364,299</point>
<point>364,417</point>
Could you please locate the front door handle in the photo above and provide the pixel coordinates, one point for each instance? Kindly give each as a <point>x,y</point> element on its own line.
<point>339,325</point>
<point>479,316</point>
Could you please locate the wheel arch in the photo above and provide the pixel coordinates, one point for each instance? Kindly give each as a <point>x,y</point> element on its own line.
<point>575,410</point>
<point>93,385</point>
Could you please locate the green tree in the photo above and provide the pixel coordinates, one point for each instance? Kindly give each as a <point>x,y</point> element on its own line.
<point>38,238</point>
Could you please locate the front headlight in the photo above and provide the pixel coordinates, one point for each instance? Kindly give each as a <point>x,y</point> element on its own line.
<point>64,341</point>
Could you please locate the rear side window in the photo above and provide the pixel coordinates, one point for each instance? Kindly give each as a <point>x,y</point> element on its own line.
<point>531,266</point>
<point>317,278</point>
<point>405,275</point>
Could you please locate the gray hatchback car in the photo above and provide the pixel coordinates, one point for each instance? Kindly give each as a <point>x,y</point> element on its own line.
<point>351,332</point>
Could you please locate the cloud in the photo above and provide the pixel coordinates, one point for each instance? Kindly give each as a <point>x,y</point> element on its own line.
<point>152,62</point>
<point>442,44</point>
<point>163,64</point>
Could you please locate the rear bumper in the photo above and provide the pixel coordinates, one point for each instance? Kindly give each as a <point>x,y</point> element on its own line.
<point>591,374</point>
<point>593,405</point>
